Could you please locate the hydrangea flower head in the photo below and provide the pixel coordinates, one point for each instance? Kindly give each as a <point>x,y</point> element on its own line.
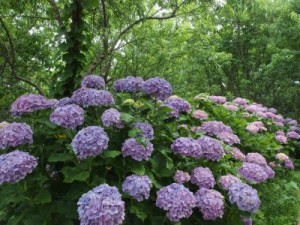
<point>230,106</point>
<point>137,186</point>
<point>137,151</point>
<point>246,220</point>
<point>253,172</point>
<point>215,128</point>
<point>227,180</point>
<point>254,157</point>
<point>181,177</point>
<point>218,99</point>
<point>146,128</point>
<point>129,84</point>
<point>93,81</point>
<point>101,205</point>
<point>64,101</point>
<point>229,138</point>
<point>177,200</point>
<point>15,134</point>
<point>210,203</point>
<point>289,164</point>
<point>237,154</point>
<point>203,177</point>
<point>112,117</point>
<point>211,149</point>
<point>68,116</point>
<point>293,135</point>
<point>92,97</point>
<point>187,147</point>
<point>3,124</point>
<point>181,105</point>
<point>158,87</point>
<point>281,138</point>
<point>240,101</point>
<point>14,166</point>
<point>282,157</point>
<point>90,141</point>
<point>200,115</point>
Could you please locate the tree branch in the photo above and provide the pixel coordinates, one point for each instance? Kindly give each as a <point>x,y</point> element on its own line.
<point>57,13</point>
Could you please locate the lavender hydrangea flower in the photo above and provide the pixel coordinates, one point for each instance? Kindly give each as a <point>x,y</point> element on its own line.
<point>254,157</point>
<point>181,177</point>
<point>68,116</point>
<point>211,149</point>
<point>3,124</point>
<point>92,97</point>
<point>137,186</point>
<point>200,115</point>
<point>255,127</point>
<point>215,128</point>
<point>137,151</point>
<point>90,141</point>
<point>14,166</point>
<point>244,196</point>
<point>129,84</point>
<point>146,129</point>
<point>293,135</point>
<point>93,81</point>
<point>253,172</point>
<point>291,122</point>
<point>272,110</point>
<point>282,157</point>
<point>289,164</point>
<point>203,177</point>
<point>187,147</point>
<point>30,103</point>
<point>158,87</point>
<point>246,220</point>
<point>230,106</point>
<point>210,203</point>
<point>15,134</point>
<point>227,180</point>
<point>240,101</point>
<point>281,138</point>
<point>101,205</point>
<point>229,138</point>
<point>177,200</point>
<point>270,172</point>
<point>218,99</point>
<point>112,117</point>
<point>237,154</point>
<point>64,101</point>
<point>178,104</point>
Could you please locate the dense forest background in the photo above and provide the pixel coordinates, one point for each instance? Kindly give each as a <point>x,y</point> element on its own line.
<point>246,48</point>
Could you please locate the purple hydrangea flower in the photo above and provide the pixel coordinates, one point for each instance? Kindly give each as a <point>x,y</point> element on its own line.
<point>293,135</point>
<point>14,166</point>
<point>112,117</point>
<point>282,157</point>
<point>187,147</point>
<point>253,172</point>
<point>218,99</point>
<point>272,110</point>
<point>215,128</point>
<point>158,87</point>
<point>255,127</point>
<point>281,138</point>
<point>181,177</point>
<point>289,164</point>
<point>177,200</point>
<point>101,205</point>
<point>244,196</point>
<point>129,84</point>
<point>203,177</point>
<point>146,128</point>
<point>227,180</point>
<point>211,149</point>
<point>30,103</point>
<point>240,101</point>
<point>230,106</point>
<point>270,172</point>
<point>295,128</point>
<point>246,220</point>
<point>3,124</point>
<point>68,116</point>
<point>137,151</point>
<point>15,134</point>
<point>137,187</point>
<point>64,101</point>
<point>90,141</point>
<point>92,97</point>
<point>210,203</point>
<point>229,138</point>
<point>254,157</point>
<point>237,154</point>
<point>178,104</point>
<point>93,81</point>
<point>200,115</point>
<point>291,122</point>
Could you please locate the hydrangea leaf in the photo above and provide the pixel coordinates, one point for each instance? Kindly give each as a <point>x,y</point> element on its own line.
<point>73,173</point>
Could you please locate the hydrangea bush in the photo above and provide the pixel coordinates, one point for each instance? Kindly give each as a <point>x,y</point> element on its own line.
<point>135,154</point>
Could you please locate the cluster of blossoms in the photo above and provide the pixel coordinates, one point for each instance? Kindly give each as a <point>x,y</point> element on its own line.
<point>112,117</point>
<point>136,150</point>
<point>282,157</point>
<point>68,116</point>
<point>178,105</point>
<point>229,138</point>
<point>210,203</point>
<point>64,101</point>
<point>255,127</point>
<point>210,148</point>
<point>288,163</point>
<point>15,134</point>
<point>200,115</point>
<point>230,106</point>
<point>203,177</point>
<point>181,177</point>
<point>280,137</point>
<point>227,180</point>
<point>291,122</point>
<point>3,124</point>
<point>187,147</point>
<point>237,154</point>
<point>14,166</point>
<point>129,84</point>
<point>177,200</point>
<point>30,103</point>
<point>246,220</point>
<point>293,135</point>
<point>93,81</point>
<point>146,128</point>
<point>90,141</point>
<point>101,205</point>
<point>240,101</point>
<point>92,97</point>
<point>137,187</point>
<point>158,87</point>
<point>217,99</point>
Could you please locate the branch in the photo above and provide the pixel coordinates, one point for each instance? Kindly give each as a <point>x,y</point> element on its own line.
<point>57,13</point>
<point>12,62</point>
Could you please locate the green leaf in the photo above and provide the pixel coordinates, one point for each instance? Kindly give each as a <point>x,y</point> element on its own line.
<point>138,212</point>
<point>60,157</point>
<point>42,197</point>
<point>111,153</point>
<point>134,132</point>
<point>138,168</point>
<point>127,118</point>
<point>74,173</point>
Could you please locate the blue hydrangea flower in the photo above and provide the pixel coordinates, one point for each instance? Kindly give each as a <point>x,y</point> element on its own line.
<point>210,203</point>
<point>92,97</point>
<point>93,81</point>
<point>137,186</point>
<point>158,87</point>
<point>14,166</point>
<point>179,104</point>
<point>187,147</point>
<point>244,196</point>
<point>146,129</point>
<point>211,149</point>
<point>137,151</point>
<point>15,134</point>
<point>129,84</point>
<point>203,177</point>
<point>101,205</point>
<point>30,103</point>
<point>64,101</point>
<point>68,116</point>
<point>112,117</point>
<point>177,200</point>
<point>90,141</point>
